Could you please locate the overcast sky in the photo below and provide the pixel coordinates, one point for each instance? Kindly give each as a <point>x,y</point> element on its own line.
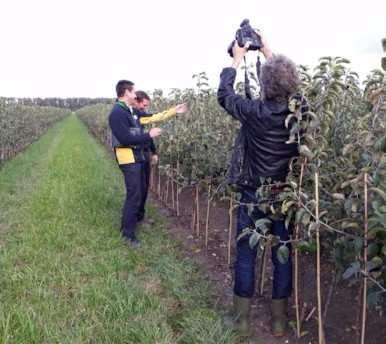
<point>81,48</point>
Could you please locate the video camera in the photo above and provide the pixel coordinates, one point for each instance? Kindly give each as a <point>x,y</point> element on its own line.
<point>244,35</point>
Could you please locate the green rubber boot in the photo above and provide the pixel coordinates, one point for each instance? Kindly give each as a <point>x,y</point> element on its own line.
<point>279,317</point>
<point>239,317</point>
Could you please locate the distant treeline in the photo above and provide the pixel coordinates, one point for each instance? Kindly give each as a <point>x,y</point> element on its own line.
<point>66,103</point>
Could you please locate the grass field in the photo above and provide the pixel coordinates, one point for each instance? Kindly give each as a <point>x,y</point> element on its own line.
<point>66,277</point>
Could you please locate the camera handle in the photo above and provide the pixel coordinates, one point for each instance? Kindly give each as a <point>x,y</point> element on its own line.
<point>247,85</point>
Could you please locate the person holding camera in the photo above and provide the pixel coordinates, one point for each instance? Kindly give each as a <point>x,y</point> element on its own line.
<point>266,156</point>
<point>128,140</point>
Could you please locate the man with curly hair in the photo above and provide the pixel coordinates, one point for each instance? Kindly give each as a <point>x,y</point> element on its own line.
<point>266,156</point>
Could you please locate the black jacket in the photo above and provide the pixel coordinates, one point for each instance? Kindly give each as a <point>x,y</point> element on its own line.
<point>149,146</point>
<point>127,131</point>
<point>266,153</point>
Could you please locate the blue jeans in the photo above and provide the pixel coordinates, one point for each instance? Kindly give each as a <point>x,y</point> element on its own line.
<point>246,257</point>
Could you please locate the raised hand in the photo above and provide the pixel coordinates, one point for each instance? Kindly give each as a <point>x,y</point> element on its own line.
<point>181,108</point>
<point>154,132</point>
<point>154,159</point>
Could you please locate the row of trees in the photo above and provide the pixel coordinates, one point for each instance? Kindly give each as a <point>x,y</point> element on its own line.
<point>20,125</point>
<point>66,103</point>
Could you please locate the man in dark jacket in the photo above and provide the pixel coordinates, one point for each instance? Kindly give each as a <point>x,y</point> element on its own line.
<point>266,155</point>
<point>128,139</point>
<point>142,102</point>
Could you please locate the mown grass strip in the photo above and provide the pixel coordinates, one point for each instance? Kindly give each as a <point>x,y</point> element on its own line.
<point>66,277</point>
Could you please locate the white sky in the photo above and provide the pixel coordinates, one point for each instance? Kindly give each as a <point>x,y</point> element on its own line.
<point>82,48</point>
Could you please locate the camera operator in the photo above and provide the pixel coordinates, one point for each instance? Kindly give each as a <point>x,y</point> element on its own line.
<point>128,139</point>
<point>266,155</point>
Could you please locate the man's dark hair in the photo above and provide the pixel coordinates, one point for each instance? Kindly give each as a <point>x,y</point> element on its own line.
<point>141,95</point>
<point>123,85</point>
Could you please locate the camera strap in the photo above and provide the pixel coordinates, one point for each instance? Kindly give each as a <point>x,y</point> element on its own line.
<point>258,65</point>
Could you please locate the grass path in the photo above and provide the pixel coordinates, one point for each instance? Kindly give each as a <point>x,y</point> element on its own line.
<point>65,276</point>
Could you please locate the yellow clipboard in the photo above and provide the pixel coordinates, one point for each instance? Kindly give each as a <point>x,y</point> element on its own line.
<point>124,155</point>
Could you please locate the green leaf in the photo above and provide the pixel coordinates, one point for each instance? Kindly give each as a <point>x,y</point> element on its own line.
<point>345,184</point>
<point>338,196</point>
<point>347,225</point>
<point>250,207</point>
<point>288,218</point>
<point>286,205</point>
<point>306,246</point>
<point>372,249</point>
<point>305,151</point>
<point>373,298</point>
<point>375,263</point>
<point>299,215</point>
<point>283,254</point>
<point>262,222</point>
<point>380,145</point>
<point>246,231</point>
<point>313,227</point>
<point>379,192</point>
<point>384,250</point>
<point>352,270</point>
<point>347,149</point>
<point>358,243</point>
<point>254,239</point>
<point>314,124</point>
<point>373,233</point>
<point>311,115</point>
<point>306,219</point>
<point>288,119</point>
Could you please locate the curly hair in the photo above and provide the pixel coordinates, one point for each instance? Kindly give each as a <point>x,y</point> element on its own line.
<point>279,79</point>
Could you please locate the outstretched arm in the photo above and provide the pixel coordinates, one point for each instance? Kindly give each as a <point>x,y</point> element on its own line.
<point>165,115</point>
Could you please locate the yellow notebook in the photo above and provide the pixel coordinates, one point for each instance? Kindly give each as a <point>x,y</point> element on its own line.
<point>124,155</point>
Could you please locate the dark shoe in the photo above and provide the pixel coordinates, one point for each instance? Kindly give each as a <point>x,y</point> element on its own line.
<point>279,317</point>
<point>239,317</point>
<point>134,243</point>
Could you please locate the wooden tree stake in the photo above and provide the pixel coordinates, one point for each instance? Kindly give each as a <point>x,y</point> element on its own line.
<point>167,190</point>
<point>159,183</point>
<point>197,211</point>
<point>263,268</point>
<point>318,285</point>
<point>173,195</point>
<point>178,200</point>
<point>193,210</point>
<point>230,228</point>
<point>178,190</point>
<point>296,261</point>
<point>207,216</point>
<point>366,227</point>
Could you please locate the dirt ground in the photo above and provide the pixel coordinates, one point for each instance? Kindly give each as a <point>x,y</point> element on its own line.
<point>343,311</point>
